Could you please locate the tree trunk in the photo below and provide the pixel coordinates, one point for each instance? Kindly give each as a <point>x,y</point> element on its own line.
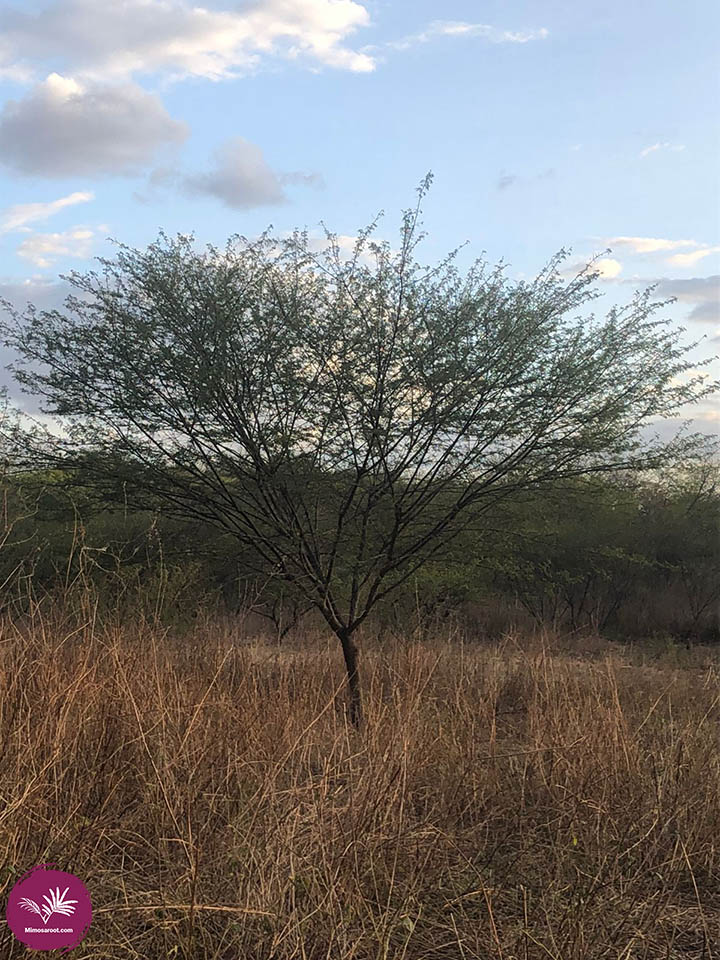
<point>351,663</point>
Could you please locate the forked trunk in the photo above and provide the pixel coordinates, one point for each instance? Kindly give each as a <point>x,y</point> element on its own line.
<point>351,664</point>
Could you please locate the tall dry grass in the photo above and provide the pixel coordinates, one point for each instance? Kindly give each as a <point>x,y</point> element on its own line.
<point>520,800</point>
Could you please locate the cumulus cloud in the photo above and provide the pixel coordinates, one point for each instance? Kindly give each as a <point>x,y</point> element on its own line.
<point>702,293</point>
<point>460,28</point>
<point>88,117</point>
<point>180,38</point>
<point>65,128</point>
<point>20,214</point>
<point>240,177</point>
<point>654,147</point>
<point>607,268</point>
<point>346,245</point>
<point>43,249</point>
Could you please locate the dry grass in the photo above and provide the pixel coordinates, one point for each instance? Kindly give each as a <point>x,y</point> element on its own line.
<point>515,801</point>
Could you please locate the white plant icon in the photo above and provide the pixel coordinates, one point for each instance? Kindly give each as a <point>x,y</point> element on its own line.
<point>55,902</point>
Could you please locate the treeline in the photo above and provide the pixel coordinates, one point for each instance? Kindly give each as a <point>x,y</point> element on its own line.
<point>625,557</point>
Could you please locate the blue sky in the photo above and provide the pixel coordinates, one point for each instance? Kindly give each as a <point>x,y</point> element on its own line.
<point>547,125</point>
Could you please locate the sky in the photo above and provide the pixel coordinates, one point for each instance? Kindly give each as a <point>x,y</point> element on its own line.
<point>588,126</point>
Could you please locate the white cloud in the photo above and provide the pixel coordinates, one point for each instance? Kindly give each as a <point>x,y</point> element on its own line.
<point>661,245</point>
<point>319,243</point>
<point>346,244</point>
<point>653,148</point>
<point>43,249</point>
<point>88,117</point>
<point>649,244</point>
<point>607,268</point>
<point>460,28</point>
<point>16,73</point>
<point>690,259</point>
<point>66,128</point>
<point>117,40</point>
<point>18,216</point>
<point>240,177</point>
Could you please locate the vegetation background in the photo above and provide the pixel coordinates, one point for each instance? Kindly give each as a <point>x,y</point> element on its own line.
<point>467,499</point>
<point>628,558</point>
<point>537,776</point>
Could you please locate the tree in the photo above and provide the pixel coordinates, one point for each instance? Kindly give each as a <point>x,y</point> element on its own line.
<point>576,553</point>
<point>681,514</point>
<point>342,417</point>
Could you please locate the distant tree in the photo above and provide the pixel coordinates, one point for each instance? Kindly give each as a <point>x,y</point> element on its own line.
<point>342,417</point>
<point>574,553</point>
<point>681,516</point>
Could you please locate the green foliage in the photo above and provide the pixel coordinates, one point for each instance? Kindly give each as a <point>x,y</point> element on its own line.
<point>345,421</point>
<point>625,558</point>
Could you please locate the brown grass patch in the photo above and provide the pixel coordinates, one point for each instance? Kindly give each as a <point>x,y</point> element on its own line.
<point>521,800</point>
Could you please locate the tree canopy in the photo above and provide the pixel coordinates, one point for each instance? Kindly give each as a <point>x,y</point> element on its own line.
<point>344,416</point>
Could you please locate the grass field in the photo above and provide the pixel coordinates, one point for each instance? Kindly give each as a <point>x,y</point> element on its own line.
<point>531,798</point>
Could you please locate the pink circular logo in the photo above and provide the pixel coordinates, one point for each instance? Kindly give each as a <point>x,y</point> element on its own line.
<point>49,909</point>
